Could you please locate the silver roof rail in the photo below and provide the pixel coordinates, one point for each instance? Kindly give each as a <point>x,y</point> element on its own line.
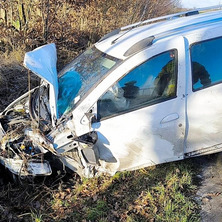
<point>172,16</point>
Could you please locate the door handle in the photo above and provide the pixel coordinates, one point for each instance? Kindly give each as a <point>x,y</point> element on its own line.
<point>169,118</point>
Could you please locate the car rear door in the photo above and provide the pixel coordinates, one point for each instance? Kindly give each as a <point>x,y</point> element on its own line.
<point>204,103</point>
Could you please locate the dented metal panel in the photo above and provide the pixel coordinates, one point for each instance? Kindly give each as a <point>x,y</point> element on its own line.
<point>42,62</point>
<point>166,122</point>
<point>149,135</point>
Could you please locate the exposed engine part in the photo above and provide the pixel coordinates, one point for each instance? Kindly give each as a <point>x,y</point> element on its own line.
<point>27,134</point>
<point>22,149</point>
<point>39,110</point>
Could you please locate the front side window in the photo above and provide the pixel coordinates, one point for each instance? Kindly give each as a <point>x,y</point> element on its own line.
<point>149,83</point>
<point>206,63</point>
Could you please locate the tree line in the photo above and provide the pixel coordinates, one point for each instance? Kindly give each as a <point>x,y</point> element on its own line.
<point>71,24</point>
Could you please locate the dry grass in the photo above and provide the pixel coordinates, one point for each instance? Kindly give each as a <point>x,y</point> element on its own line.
<point>72,25</point>
<point>162,193</point>
<point>13,78</point>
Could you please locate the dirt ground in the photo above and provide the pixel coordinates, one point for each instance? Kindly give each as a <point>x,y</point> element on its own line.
<point>209,193</point>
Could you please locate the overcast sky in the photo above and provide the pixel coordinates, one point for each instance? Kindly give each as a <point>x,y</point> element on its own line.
<point>199,3</point>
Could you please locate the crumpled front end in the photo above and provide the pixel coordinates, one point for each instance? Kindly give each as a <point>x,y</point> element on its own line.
<point>26,135</point>
<point>30,127</point>
<point>22,145</point>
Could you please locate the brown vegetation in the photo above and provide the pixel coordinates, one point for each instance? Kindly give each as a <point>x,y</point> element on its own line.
<point>72,25</point>
<point>160,194</point>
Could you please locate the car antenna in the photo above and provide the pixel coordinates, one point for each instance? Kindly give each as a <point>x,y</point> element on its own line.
<point>140,22</point>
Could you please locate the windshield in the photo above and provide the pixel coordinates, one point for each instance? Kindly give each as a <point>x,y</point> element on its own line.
<point>80,75</point>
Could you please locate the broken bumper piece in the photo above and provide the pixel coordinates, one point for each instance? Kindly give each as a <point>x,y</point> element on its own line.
<point>29,168</point>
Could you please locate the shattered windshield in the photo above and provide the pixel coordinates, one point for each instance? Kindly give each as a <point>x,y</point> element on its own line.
<point>80,75</point>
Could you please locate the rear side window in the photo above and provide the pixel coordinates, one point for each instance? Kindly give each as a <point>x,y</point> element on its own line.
<point>206,58</point>
<point>152,82</point>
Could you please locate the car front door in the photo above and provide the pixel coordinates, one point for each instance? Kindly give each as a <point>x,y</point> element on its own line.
<point>141,117</point>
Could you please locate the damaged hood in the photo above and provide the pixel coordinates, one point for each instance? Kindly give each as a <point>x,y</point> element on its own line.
<point>42,62</point>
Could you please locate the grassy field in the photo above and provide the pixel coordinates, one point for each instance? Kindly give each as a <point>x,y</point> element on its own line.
<point>162,193</point>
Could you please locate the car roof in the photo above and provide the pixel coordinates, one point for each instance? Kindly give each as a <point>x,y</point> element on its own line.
<point>126,41</point>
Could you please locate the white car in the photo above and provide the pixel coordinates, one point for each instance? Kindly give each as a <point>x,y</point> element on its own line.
<point>145,94</point>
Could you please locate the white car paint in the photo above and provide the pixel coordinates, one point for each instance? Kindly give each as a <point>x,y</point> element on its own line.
<point>172,128</point>
<point>42,61</point>
<point>151,135</point>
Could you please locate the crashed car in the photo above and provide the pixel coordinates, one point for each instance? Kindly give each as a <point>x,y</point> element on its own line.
<point>145,94</point>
